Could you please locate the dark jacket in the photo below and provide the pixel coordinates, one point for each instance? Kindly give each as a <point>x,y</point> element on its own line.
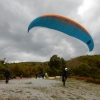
<point>65,73</point>
<point>7,73</point>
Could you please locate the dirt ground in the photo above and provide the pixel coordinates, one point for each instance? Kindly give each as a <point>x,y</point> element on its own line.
<point>48,89</point>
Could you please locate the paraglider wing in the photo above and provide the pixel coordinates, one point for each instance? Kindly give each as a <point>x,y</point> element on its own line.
<point>65,25</point>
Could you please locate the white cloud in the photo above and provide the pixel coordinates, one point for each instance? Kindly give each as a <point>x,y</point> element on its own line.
<point>87,4</point>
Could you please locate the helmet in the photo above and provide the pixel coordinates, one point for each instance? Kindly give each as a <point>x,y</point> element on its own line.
<point>65,69</point>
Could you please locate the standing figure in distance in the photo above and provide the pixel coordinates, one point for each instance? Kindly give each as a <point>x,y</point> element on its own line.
<point>7,75</point>
<point>21,76</point>
<point>64,76</point>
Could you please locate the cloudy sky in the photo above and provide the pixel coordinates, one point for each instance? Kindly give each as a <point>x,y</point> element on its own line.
<point>17,45</point>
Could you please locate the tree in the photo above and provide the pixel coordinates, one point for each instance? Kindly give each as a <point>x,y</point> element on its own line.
<point>82,70</point>
<point>56,64</point>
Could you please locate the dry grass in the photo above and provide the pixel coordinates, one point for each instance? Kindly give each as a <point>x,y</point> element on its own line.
<point>96,81</point>
<point>91,80</point>
<point>10,98</point>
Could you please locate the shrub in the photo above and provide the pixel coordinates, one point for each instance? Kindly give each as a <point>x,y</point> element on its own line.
<point>95,73</point>
<point>82,70</point>
<point>1,76</point>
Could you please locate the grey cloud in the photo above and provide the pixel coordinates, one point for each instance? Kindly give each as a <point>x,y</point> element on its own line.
<point>16,44</point>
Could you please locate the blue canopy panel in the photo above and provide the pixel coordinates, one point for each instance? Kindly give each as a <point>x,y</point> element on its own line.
<point>66,26</point>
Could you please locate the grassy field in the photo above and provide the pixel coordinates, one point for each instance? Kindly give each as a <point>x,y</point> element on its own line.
<point>48,89</point>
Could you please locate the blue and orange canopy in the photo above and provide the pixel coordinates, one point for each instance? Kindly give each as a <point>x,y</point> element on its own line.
<point>65,25</point>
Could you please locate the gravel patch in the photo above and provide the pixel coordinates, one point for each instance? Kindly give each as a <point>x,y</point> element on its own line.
<point>48,89</point>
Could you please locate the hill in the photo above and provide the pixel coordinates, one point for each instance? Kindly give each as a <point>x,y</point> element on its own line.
<point>83,66</point>
<point>91,60</point>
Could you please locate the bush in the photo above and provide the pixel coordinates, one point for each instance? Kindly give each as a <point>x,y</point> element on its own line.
<point>95,73</point>
<point>1,76</point>
<point>82,70</point>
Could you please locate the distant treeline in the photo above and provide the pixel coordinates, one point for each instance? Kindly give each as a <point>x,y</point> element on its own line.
<point>83,66</point>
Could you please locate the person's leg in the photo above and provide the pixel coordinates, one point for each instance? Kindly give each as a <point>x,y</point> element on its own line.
<point>7,79</point>
<point>62,78</point>
<point>64,81</point>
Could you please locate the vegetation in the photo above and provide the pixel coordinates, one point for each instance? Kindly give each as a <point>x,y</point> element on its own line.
<point>84,66</point>
<point>87,66</point>
<point>56,65</point>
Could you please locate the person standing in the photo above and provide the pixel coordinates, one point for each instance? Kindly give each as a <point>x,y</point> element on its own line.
<point>21,76</point>
<point>64,76</point>
<point>7,75</point>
